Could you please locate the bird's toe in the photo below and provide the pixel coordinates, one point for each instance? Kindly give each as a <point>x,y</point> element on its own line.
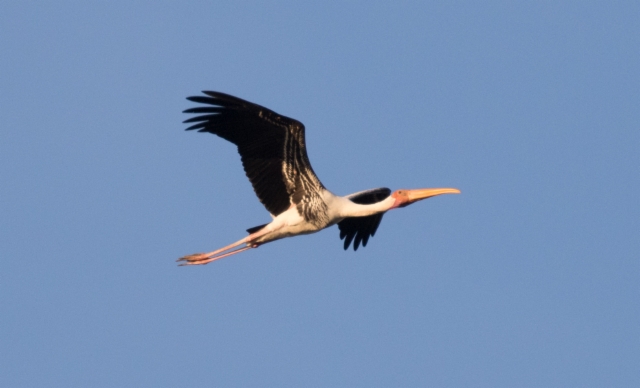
<point>193,258</point>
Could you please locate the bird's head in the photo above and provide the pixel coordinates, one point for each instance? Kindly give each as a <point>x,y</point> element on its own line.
<point>405,197</point>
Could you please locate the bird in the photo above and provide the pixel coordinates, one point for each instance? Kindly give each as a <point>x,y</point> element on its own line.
<point>274,156</point>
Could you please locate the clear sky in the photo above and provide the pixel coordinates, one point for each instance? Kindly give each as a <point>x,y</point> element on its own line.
<point>529,278</point>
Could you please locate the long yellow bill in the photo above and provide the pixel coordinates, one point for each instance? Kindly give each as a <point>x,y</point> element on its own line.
<point>418,194</point>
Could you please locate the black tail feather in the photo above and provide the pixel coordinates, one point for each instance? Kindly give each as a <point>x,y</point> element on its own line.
<point>256,228</point>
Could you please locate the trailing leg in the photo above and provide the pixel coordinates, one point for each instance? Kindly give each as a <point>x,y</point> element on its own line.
<point>206,258</point>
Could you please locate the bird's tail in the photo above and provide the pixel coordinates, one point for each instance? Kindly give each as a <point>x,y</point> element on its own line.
<point>256,228</point>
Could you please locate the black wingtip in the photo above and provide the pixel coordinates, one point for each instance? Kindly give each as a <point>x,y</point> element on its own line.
<point>348,239</point>
<point>196,126</point>
<point>203,100</point>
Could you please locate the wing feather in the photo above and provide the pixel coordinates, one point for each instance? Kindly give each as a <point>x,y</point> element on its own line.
<point>272,149</point>
<point>360,229</point>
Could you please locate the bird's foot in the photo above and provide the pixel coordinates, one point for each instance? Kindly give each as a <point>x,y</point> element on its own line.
<point>195,259</point>
<point>206,258</point>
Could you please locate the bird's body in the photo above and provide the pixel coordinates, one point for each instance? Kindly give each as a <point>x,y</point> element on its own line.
<point>273,152</point>
<point>291,222</point>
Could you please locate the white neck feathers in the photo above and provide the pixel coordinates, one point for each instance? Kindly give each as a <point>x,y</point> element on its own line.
<point>352,209</point>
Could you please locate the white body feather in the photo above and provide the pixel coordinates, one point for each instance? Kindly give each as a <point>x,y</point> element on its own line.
<point>291,223</point>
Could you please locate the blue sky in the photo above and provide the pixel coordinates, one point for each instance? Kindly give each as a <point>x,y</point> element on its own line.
<point>530,277</point>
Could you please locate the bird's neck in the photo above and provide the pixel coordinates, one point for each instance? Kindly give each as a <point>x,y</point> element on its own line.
<point>352,209</point>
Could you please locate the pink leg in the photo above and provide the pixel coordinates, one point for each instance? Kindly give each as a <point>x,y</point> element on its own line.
<point>209,260</point>
<point>205,258</point>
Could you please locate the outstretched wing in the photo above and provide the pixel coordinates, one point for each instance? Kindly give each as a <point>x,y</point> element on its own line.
<point>361,228</point>
<point>272,148</point>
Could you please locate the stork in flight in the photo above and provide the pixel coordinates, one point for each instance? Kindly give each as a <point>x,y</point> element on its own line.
<point>274,156</point>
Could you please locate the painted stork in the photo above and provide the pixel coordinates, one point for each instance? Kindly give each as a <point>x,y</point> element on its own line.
<point>274,155</point>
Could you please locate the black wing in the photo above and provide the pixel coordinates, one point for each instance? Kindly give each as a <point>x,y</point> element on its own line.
<point>272,148</point>
<point>362,227</point>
